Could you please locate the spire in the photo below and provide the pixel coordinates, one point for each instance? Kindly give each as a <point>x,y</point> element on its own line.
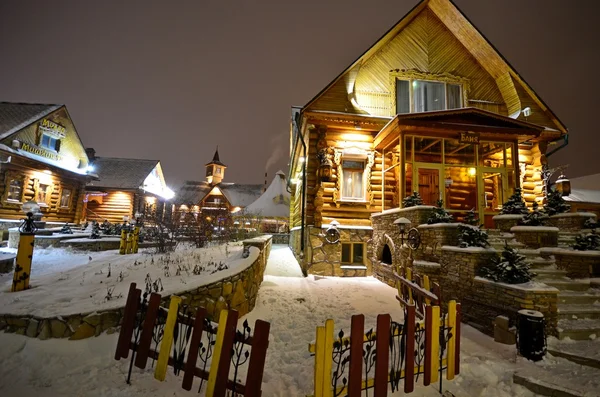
<point>216,159</point>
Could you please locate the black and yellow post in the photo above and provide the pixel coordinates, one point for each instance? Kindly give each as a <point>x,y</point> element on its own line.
<point>123,244</point>
<point>129,246</point>
<point>24,254</point>
<point>136,240</point>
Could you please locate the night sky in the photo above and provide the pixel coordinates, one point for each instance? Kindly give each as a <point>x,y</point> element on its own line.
<point>172,80</point>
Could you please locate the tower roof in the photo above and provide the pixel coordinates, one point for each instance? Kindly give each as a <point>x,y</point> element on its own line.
<point>216,160</point>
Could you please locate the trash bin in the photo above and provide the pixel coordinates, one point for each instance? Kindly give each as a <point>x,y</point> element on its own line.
<point>531,334</point>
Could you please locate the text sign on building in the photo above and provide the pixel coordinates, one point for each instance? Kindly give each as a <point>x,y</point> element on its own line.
<point>53,129</point>
<point>40,151</point>
<point>469,137</point>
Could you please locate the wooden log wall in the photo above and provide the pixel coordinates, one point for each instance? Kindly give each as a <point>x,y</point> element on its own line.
<point>114,206</point>
<point>462,193</point>
<point>530,162</point>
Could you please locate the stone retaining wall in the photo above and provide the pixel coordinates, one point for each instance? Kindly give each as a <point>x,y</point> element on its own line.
<point>578,264</point>
<point>505,222</point>
<point>536,236</point>
<point>570,221</point>
<point>460,267</point>
<point>236,291</point>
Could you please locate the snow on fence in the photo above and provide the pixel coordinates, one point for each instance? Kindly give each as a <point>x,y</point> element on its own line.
<point>145,324</point>
<point>393,352</point>
<point>417,290</point>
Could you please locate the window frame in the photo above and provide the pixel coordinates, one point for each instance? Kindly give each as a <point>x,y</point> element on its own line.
<point>54,140</point>
<point>69,200</point>
<point>368,156</point>
<point>363,160</point>
<point>8,177</point>
<point>352,244</point>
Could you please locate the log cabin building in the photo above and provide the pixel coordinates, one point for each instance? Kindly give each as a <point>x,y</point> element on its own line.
<point>213,196</point>
<point>43,160</point>
<point>431,107</point>
<point>125,189</point>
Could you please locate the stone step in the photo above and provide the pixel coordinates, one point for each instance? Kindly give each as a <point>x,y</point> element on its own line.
<point>575,312</point>
<point>568,285</point>
<point>582,329</point>
<point>545,273</point>
<point>578,298</point>
<point>540,263</point>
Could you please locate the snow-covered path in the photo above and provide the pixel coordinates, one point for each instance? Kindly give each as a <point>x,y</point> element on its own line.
<point>294,305</point>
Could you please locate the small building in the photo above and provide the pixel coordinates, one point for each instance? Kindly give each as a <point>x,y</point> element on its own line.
<point>213,197</point>
<point>42,160</point>
<point>272,208</point>
<point>125,189</point>
<point>431,107</point>
<point>582,193</point>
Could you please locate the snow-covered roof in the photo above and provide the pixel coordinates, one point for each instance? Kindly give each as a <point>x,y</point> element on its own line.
<point>119,173</point>
<point>587,182</point>
<point>240,195</point>
<point>16,116</point>
<point>584,196</point>
<point>275,201</point>
<point>192,192</point>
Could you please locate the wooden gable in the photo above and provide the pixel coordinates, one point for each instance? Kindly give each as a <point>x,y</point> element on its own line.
<point>434,41</point>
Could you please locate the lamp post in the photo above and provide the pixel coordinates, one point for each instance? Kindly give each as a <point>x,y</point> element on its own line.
<point>22,271</point>
<point>402,225</point>
<point>413,237</point>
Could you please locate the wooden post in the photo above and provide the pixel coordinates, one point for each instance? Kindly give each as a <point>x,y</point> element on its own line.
<point>256,366</point>
<point>457,334</point>
<point>409,369</point>
<point>147,331</point>
<point>382,344</point>
<point>123,243</point>
<point>328,359</point>
<point>136,240</point>
<point>452,340</point>
<point>190,364</point>
<point>167,340</point>
<point>319,361</point>
<point>356,355</point>
<point>409,278</point>
<point>22,271</point>
<point>428,358</point>
<point>427,287</point>
<point>128,323</point>
<point>129,243</point>
<point>435,343</point>
<point>225,356</point>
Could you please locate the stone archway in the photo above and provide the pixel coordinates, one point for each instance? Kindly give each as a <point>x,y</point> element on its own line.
<point>386,255</point>
<point>384,262</point>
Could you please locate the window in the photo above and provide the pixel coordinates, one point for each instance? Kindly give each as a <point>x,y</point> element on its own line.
<point>65,198</point>
<point>352,174</point>
<point>49,142</point>
<point>15,190</point>
<point>426,96</point>
<point>353,253</point>
<point>218,170</point>
<point>42,192</point>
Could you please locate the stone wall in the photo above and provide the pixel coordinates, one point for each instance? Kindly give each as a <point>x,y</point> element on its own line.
<point>571,221</point>
<point>505,222</point>
<point>433,238</point>
<point>281,238</point>
<point>536,236</point>
<point>488,300</point>
<point>324,259</point>
<point>236,291</point>
<point>578,264</point>
<point>460,267</point>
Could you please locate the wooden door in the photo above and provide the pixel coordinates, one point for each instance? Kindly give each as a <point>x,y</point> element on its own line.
<point>429,185</point>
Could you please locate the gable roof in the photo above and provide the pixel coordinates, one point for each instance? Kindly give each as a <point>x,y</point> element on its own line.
<point>472,39</point>
<point>240,195</point>
<point>192,192</point>
<point>589,182</point>
<point>275,201</point>
<point>16,116</point>
<point>120,173</point>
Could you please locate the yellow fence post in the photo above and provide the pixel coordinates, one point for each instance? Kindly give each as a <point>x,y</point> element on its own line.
<point>22,271</point>
<point>426,286</point>
<point>435,343</point>
<point>451,340</point>
<point>214,365</point>
<point>328,362</point>
<point>409,278</point>
<point>129,243</point>
<point>167,340</point>
<point>136,239</point>
<point>123,243</point>
<point>319,361</point>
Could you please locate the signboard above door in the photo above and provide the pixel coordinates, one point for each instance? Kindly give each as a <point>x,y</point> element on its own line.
<point>469,137</point>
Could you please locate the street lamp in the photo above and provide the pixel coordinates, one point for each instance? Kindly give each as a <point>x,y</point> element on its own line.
<point>412,236</point>
<point>402,225</point>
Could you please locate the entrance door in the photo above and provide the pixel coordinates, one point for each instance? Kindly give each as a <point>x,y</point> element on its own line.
<point>493,186</point>
<point>427,178</point>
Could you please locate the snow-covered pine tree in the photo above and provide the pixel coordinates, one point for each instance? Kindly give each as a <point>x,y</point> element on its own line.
<point>440,215</point>
<point>587,242</point>
<point>413,200</point>
<point>95,230</point>
<point>555,203</point>
<point>515,204</point>
<point>510,268</point>
<point>471,218</point>
<point>590,223</point>
<point>66,229</point>
<point>535,217</point>
<point>472,236</point>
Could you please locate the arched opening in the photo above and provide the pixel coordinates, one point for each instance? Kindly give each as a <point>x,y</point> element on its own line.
<point>386,255</point>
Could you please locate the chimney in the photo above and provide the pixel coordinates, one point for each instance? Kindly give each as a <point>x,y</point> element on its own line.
<point>91,153</point>
<point>265,187</point>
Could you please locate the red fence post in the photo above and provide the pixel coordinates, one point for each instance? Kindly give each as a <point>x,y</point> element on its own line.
<point>428,329</point>
<point>190,364</point>
<point>147,331</point>
<point>409,369</point>
<point>457,340</point>
<point>225,361</point>
<point>356,355</point>
<point>258,355</point>
<point>128,323</point>
<point>383,353</point>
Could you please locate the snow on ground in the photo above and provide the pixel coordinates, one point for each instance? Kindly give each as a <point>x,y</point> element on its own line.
<point>65,282</point>
<point>294,306</point>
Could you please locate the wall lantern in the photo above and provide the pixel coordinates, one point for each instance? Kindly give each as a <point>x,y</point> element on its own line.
<point>325,166</point>
<point>563,185</point>
<point>332,235</point>
<point>413,236</point>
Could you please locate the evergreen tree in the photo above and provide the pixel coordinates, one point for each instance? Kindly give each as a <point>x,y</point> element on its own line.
<point>471,218</point>
<point>510,268</point>
<point>95,230</point>
<point>591,224</point>
<point>587,242</point>
<point>515,204</point>
<point>555,204</point>
<point>440,215</point>
<point>66,229</point>
<point>413,200</point>
<point>472,236</point>
<point>534,218</point>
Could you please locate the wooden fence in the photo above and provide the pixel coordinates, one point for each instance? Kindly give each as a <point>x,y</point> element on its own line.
<point>214,347</point>
<point>381,358</point>
<point>417,290</point>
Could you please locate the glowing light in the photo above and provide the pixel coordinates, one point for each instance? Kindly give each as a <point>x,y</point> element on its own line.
<point>47,172</point>
<point>472,171</point>
<point>301,159</point>
<point>414,83</point>
<point>89,168</point>
<point>150,200</point>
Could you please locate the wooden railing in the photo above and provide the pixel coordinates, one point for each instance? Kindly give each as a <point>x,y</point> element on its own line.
<point>416,290</point>
<point>192,340</point>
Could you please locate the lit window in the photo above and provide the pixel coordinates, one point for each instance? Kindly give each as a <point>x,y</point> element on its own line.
<point>42,192</point>
<point>65,198</point>
<point>15,190</point>
<point>218,170</point>
<point>353,253</point>
<point>49,142</point>
<point>352,184</point>
<point>424,96</point>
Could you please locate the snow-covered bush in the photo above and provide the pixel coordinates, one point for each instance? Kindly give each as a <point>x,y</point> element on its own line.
<point>515,205</point>
<point>472,236</point>
<point>66,229</point>
<point>534,218</point>
<point>510,268</point>
<point>413,200</point>
<point>587,242</point>
<point>440,215</point>
<point>555,204</point>
<point>471,218</point>
<point>590,223</point>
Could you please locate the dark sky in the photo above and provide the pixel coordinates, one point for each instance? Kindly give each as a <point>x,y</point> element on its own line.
<point>170,80</point>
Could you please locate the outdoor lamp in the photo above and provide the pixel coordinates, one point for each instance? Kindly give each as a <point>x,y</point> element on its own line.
<point>402,225</point>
